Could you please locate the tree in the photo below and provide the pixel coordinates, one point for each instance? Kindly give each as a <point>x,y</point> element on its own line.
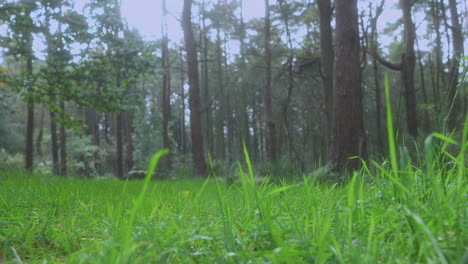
<point>194,91</point>
<point>166,88</point>
<point>347,124</point>
<point>270,126</point>
<point>19,43</point>
<point>327,57</point>
<point>458,51</point>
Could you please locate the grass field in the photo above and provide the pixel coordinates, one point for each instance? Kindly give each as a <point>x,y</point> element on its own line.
<point>416,215</point>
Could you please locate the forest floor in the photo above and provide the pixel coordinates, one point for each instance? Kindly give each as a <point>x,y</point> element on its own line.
<point>419,217</point>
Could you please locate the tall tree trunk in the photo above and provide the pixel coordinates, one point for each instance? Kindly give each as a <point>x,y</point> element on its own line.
<point>347,125</point>
<point>267,93</point>
<point>183,138</point>
<point>327,58</point>
<point>194,91</point>
<point>220,147</point>
<point>54,144</point>
<point>166,89</point>
<point>458,52</point>
<point>63,141</point>
<point>30,106</point>
<point>208,112</point>
<point>409,62</point>
<point>377,77</point>
<point>243,116</point>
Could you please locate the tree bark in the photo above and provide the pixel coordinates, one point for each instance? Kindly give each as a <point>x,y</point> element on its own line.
<point>119,171</point>
<point>409,62</point>
<point>54,146</point>
<point>166,90</point>
<point>30,111</point>
<point>327,58</point>
<point>194,92</point>
<point>347,125</point>
<point>63,141</point>
<point>270,124</point>
<point>458,52</point>
<point>183,138</point>
<point>40,135</point>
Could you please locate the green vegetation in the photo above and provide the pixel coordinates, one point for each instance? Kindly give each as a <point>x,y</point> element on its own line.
<point>415,215</point>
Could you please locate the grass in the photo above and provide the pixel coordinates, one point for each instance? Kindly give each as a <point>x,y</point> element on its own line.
<point>396,211</point>
<point>417,216</point>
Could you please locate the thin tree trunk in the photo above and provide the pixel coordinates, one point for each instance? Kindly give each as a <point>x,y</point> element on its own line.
<point>267,93</point>
<point>54,146</point>
<point>63,142</point>
<point>40,135</point>
<point>183,138</point>
<point>166,89</point>
<point>129,140</point>
<point>194,92</point>
<point>327,58</point>
<point>458,51</point>
<point>119,171</point>
<point>30,122</point>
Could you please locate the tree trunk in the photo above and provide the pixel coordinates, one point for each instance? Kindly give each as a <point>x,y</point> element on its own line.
<point>63,142</point>
<point>327,58</point>
<point>40,135</point>
<point>347,125</point>
<point>267,93</point>
<point>409,62</point>
<point>119,171</point>
<point>30,106</point>
<point>183,138</point>
<point>458,52</point>
<point>129,140</point>
<point>166,90</point>
<point>194,92</point>
<point>54,147</point>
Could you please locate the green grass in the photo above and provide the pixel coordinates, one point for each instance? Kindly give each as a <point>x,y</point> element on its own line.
<point>417,216</point>
<point>411,208</point>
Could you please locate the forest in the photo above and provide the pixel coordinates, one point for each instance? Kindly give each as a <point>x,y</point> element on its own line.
<point>246,131</point>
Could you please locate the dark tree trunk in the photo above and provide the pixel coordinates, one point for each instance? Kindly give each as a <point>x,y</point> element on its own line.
<point>63,142</point>
<point>166,90</point>
<point>458,52</point>
<point>347,125</point>
<point>327,57</point>
<point>129,140</point>
<point>30,123</point>
<point>194,92</point>
<point>409,62</point>
<point>377,76</point>
<point>183,138</point>
<point>54,147</point>
<point>220,147</point>
<point>40,135</point>
<point>267,96</point>
<point>119,170</point>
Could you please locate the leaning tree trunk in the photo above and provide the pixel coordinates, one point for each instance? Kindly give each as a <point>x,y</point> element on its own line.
<point>194,91</point>
<point>347,124</point>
